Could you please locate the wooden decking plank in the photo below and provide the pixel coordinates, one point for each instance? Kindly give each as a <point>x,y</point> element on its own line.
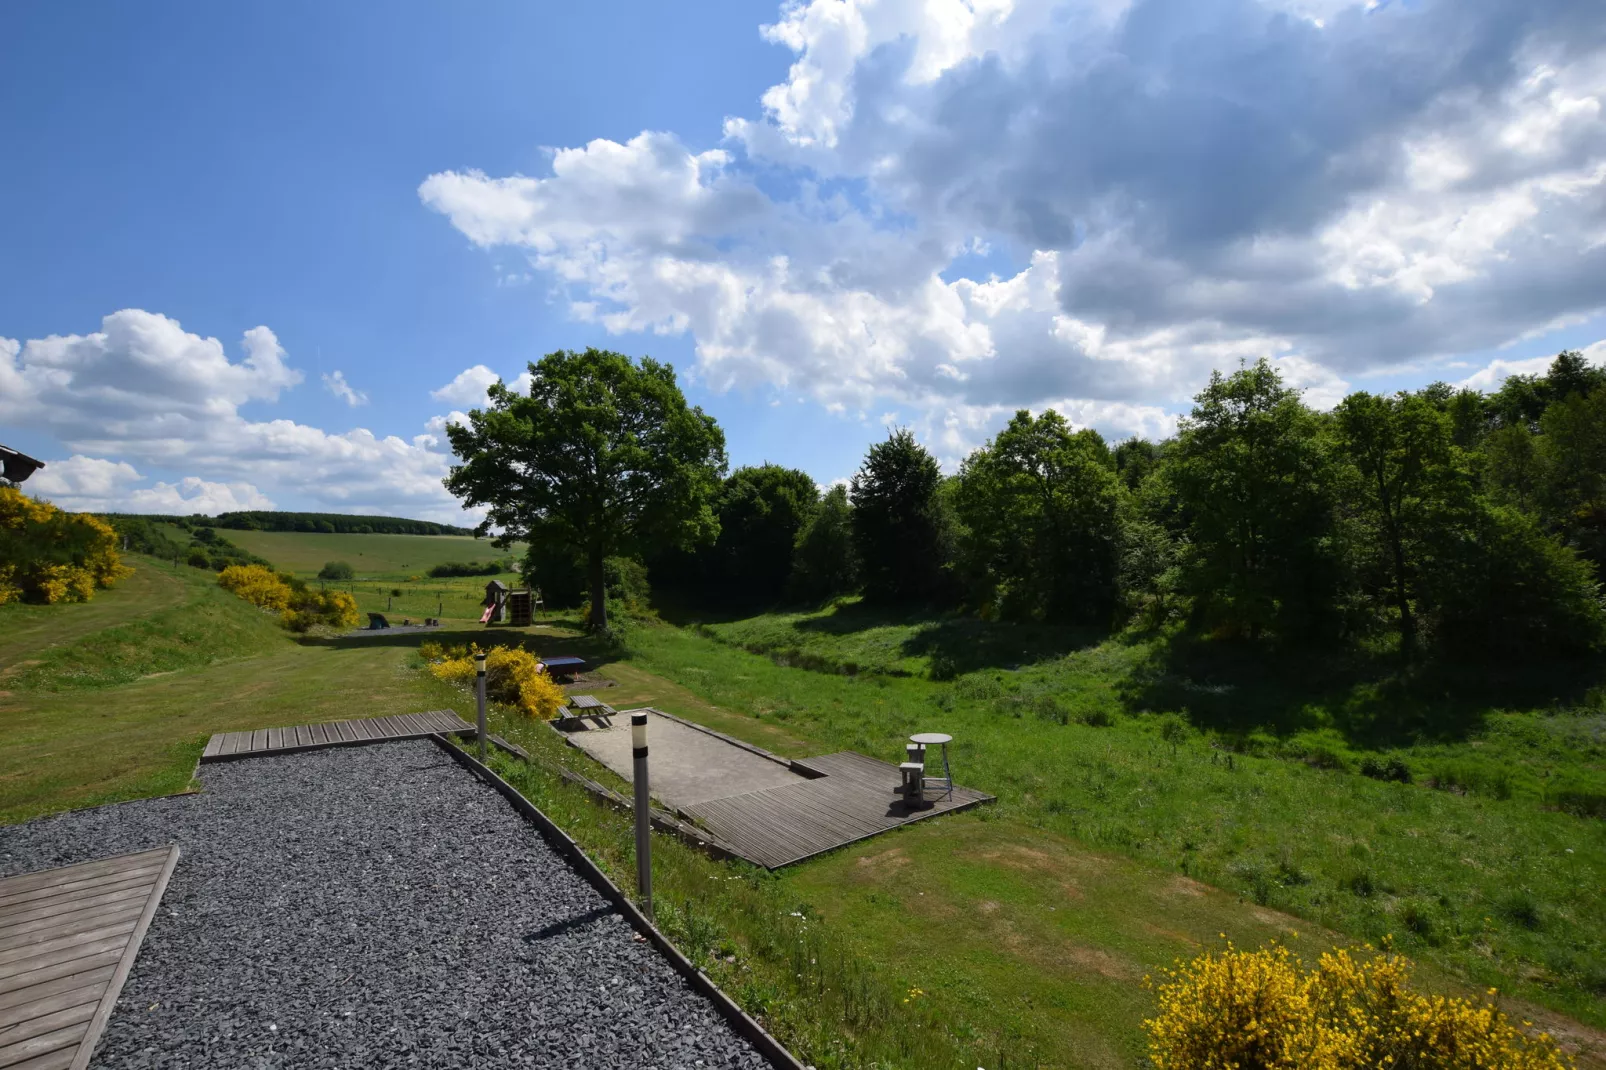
<point>24,959</point>
<point>22,997</point>
<point>212,746</point>
<point>56,1039</point>
<point>125,963</point>
<point>66,934</point>
<point>100,882</point>
<point>104,882</point>
<point>259,740</point>
<point>753,828</point>
<point>67,939</point>
<point>16,921</point>
<point>231,744</point>
<point>31,931</point>
<point>49,1022</point>
<point>11,982</point>
<point>855,797</point>
<point>319,736</point>
<point>49,1003</point>
<point>77,871</point>
<point>60,1059</point>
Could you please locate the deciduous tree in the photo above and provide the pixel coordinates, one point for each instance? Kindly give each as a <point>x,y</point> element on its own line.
<point>603,456</point>
<point>898,523</point>
<point>1038,505</point>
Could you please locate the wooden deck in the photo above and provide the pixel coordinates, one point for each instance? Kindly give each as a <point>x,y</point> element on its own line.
<point>68,938</point>
<point>851,797</point>
<point>225,746</point>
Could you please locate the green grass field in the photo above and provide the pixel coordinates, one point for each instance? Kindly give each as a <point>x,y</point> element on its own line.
<point>1018,934</point>
<point>391,557</point>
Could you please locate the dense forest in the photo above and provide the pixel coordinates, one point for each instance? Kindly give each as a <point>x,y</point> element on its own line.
<point>325,523</point>
<point>1442,521</point>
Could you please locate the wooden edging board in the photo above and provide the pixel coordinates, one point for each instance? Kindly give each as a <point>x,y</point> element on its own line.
<point>560,841</point>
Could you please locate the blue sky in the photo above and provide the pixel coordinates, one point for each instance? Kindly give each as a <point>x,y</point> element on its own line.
<point>246,246</point>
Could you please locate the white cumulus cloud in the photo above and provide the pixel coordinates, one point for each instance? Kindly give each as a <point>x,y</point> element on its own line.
<point>336,384</point>
<point>95,484</point>
<point>148,393</point>
<point>959,207</point>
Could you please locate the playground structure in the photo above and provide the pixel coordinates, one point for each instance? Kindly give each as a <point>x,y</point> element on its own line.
<point>508,605</point>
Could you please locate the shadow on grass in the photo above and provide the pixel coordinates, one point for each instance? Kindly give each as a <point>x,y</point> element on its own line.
<point>1367,696</point>
<point>957,645</point>
<point>537,640</point>
<point>952,644</point>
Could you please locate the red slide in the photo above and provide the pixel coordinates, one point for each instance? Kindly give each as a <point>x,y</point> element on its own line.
<point>486,618</point>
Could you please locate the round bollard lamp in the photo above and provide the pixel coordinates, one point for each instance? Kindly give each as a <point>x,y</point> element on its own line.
<point>638,747</point>
<point>479,698</point>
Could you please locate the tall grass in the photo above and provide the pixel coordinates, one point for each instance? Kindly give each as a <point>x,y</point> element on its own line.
<point>1284,819</point>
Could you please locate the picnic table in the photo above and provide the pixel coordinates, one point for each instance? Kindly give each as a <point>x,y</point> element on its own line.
<point>585,706</point>
<point>564,666</point>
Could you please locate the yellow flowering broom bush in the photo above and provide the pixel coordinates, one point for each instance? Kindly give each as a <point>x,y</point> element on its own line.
<point>512,675</point>
<point>299,607</point>
<point>49,555</point>
<point>258,585</point>
<point>1265,1010</point>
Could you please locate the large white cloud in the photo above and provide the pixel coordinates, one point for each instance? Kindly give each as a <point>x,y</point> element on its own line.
<point>94,484</point>
<point>146,392</point>
<point>1168,185</point>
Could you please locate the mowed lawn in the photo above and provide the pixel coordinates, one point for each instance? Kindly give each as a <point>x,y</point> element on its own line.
<point>1016,934</point>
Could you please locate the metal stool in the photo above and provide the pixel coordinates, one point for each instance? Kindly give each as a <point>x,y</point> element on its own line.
<point>937,739</point>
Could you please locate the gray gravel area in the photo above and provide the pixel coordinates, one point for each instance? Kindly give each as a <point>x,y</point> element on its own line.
<point>374,906</point>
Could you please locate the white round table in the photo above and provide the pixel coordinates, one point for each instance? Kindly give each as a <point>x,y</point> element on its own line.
<point>937,739</point>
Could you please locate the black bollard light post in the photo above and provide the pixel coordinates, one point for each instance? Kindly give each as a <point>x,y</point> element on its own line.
<point>479,697</point>
<point>638,750</point>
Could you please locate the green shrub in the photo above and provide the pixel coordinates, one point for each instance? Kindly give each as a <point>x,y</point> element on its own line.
<point>1173,729</point>
<point>336,570</point>
<point>1381,769</point>
<point>448,569</point>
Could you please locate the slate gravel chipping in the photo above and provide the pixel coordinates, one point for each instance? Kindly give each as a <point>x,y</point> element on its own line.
<point>374,906</point>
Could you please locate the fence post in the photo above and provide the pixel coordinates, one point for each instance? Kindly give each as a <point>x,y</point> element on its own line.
<point>638,750</point>
<point>479,698</point>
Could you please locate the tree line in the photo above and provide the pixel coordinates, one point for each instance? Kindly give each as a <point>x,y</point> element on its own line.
<point>1443,519</point>
<point>311,523</point>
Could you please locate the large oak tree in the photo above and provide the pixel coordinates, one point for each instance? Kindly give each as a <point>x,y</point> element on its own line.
<point>603,456</point>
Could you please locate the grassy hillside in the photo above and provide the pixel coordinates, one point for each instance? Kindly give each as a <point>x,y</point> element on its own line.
<point>1013,935</point>
<point>1483,873</point>
<point>392,557</point>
